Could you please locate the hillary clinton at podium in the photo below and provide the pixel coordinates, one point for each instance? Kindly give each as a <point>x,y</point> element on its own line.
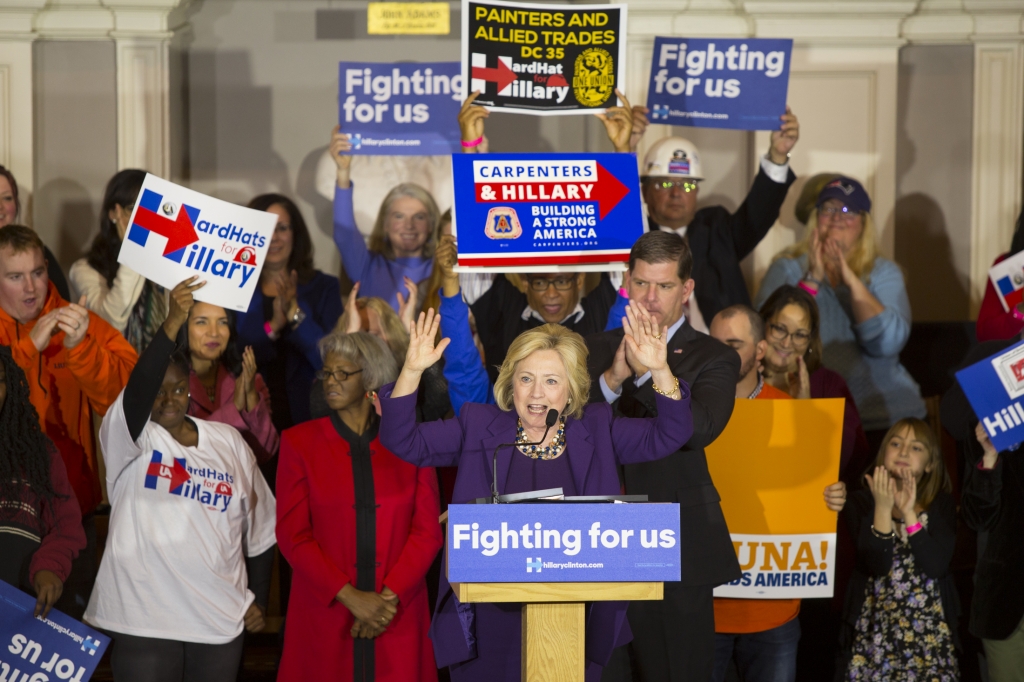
<point>545,369</point>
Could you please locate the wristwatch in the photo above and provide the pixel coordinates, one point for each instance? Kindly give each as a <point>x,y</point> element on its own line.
<point>298,317</point>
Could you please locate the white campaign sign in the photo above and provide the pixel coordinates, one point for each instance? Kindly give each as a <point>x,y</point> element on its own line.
<point>783,566</point>
<point>175,233</point>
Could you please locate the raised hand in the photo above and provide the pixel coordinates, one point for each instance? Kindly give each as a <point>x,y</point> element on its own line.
<point>816,255</point>
<point>784,138</point>
<point>837,260</point>
<point>48,588</point>
<point>615,375</point>
<point>353,320</point>
<point>883,489</point>
<point>471,123</point>
<point>640,124</point>
<point>422,352</point>
<point>73,320</point>
<point>647,343</point>
<point>835,496</point>
<point>44,329</point>
<point>991,454</point>
<point>246,397</point>
<point>407,304</point>
<point>618,123</point>
<point>800,380</point>
<point>906,496</point>
<point>179,302</point>
<point>340,149</point>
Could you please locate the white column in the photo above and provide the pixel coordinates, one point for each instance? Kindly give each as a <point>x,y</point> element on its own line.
<point>997,153</point>
<point>16,148</point>
<point>143,101</point>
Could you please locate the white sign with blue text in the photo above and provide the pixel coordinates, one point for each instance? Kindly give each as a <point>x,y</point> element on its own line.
<point>410,109</point>
<point>995,388</point>
<point>175,233</point>
<point>57,647</point>
<point>563,542</point>
<point>719,82</point>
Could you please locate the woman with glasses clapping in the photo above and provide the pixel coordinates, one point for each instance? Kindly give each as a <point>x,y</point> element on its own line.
<point>862,299</point>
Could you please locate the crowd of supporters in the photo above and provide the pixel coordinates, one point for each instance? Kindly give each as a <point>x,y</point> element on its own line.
<point>326,430</point>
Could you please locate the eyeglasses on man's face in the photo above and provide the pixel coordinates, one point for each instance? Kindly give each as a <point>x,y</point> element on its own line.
<point>539,284</point>
<point>669,185</point>
<point>779,333</point>
<point>339,375</point>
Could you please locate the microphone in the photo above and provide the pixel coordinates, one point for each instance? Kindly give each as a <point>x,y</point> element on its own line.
<point>549,421</point>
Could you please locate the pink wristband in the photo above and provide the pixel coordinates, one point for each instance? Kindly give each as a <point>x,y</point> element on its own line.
<point>1017,314</point>
<point>473,143</point>
<point>623,292</point>
<point>270,331</point>
<point>803,285</point>
<point>913,529</point>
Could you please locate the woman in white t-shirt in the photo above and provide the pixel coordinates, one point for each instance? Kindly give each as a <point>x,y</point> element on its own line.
<point>191,528</point>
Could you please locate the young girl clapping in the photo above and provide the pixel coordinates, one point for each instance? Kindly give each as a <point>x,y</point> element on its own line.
<point>901,605</point>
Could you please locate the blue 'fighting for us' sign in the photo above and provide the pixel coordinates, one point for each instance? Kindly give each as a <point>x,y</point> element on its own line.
<point>529,210</point>
<point>995,388</point>
<point>57,648</point>
<point>719,83</point>
<point>563,542</point>
<point>410,109</point>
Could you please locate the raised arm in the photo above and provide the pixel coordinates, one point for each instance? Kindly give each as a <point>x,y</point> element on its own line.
<point>354,254</point>
<point>98,356</point>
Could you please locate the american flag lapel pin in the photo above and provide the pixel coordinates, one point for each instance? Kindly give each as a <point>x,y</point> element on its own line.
<point>678,350</point>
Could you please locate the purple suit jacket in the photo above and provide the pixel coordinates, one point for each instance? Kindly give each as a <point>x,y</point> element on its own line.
<point>595,445</point>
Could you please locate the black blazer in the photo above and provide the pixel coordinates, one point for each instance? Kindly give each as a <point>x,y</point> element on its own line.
<point>720,240</point>
<point>992,502</point>
<point>711,369</point>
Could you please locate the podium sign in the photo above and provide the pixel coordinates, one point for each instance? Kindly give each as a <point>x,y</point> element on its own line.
<point>563,543</point>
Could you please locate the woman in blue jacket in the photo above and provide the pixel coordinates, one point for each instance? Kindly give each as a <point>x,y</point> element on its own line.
<point>865,312</point>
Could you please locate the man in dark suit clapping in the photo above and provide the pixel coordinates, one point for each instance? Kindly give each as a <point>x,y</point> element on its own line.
<point>673,639</point>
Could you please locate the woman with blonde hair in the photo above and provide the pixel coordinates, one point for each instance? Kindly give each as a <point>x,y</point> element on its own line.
<point>865,313</point>
<point>561,442</point>
<point>403,239</point>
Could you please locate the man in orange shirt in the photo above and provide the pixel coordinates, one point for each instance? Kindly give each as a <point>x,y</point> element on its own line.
<point>75,364</point>
<point>761,635</point>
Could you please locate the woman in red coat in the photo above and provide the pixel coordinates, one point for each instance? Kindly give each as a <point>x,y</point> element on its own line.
<point>359,528</point>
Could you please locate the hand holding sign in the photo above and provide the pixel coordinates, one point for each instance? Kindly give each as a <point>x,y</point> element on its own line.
<point>48,589</point>
<point>784,138</point>
<point>340,149</point>
<point>179,303</point>
<point>471,125</point>
<point>618,123</point>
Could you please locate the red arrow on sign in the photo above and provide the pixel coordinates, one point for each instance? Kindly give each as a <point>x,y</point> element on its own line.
<point>176,473</point>
<point>502,75</point>
<point>179,233</point>
<point>607,191</point>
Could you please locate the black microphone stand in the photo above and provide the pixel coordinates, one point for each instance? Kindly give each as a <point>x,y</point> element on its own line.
<point>549,421</point>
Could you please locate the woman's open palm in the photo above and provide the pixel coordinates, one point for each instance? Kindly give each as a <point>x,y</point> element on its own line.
<point>422,351</point>
<point>644,340</point>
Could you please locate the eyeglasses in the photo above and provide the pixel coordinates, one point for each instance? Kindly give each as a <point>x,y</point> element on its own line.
<point>339,375</point>
<point>779,333</point>
<point>668,185</point>
<point>840,212</point>
<point>540,284</point>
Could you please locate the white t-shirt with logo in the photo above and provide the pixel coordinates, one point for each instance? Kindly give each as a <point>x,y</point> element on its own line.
<point>182,521</point>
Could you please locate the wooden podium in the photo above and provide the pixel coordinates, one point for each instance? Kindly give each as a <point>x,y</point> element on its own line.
<point>554,629</point>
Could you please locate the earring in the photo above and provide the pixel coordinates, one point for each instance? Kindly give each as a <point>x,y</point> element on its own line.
<point>371,396</point>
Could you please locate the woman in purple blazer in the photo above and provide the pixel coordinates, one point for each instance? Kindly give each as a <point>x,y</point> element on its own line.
<point>545,369</point>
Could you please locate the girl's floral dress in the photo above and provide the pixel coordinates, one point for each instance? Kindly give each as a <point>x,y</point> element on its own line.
<point>901,634</point>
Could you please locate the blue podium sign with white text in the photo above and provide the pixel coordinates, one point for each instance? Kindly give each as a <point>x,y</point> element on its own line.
<point>521,211</point>
<point>719,82</point>
<point>994,387</point>
<point>43,650</point>
<point>410,109</point>
<point>563,542</point>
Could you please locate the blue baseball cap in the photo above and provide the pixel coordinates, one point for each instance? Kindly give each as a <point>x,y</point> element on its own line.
<point>848,191</point>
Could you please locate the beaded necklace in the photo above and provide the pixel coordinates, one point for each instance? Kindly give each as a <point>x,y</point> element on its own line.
<point>532,451</point>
